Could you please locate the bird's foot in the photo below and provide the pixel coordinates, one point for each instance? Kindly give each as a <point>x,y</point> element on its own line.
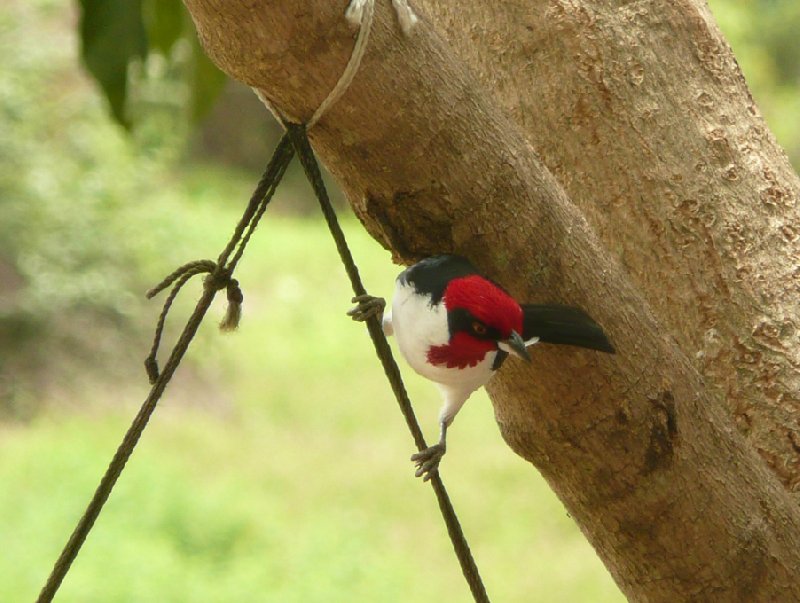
<point>368,306</point>
<point>427,461</point>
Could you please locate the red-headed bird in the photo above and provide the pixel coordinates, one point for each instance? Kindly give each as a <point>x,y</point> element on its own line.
<point>456,328</point>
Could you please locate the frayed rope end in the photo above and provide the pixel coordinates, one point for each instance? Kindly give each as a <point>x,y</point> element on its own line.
<point>233,314</point>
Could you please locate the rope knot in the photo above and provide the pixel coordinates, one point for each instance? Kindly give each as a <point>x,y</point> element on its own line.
<point>220,279</point>
<point>217,279</point>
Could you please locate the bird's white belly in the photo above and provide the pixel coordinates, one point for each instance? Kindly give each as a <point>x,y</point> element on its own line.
<point>418,326</point>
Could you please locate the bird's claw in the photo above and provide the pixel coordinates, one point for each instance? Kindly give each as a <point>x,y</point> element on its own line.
<point>368,306</point>
<point>427,461</point>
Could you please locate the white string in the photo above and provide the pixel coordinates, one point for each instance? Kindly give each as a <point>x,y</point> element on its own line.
<point>405,15</point>
<point>359,13</point>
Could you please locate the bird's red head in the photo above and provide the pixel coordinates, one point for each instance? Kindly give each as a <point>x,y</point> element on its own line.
<point>485,302</point>
<point>480,314</point>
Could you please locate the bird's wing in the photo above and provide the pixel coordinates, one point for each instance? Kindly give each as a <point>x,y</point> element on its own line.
<point>563,325</point>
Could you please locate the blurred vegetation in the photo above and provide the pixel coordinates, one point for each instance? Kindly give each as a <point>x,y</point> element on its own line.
<point>91,215</point>
<point>268,474</point>
<point>290,479</point>
<point>75,237</point>
<point>118,36</point>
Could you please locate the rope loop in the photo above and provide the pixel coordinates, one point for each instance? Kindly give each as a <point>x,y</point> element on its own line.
<point>191,268</point>
<point>217,279</point>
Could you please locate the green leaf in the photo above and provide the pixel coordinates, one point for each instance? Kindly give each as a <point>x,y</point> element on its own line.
<point>165,21</point>
<point>112,35</point>
<point>207,81</point>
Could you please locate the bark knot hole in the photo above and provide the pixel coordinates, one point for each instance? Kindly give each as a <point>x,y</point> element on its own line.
<point>663,432</point>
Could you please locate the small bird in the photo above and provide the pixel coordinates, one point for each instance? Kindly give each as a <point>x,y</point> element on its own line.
<point>456,327</point>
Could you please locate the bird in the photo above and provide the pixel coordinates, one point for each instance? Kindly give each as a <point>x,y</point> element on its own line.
<point>456,328</point>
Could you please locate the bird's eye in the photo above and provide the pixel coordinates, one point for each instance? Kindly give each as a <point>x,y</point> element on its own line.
<point>479,328</point>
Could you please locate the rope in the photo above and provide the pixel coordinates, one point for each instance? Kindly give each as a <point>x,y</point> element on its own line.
<point>359,13</point>
<point>219,277</point>
<point>469,568</point>
<point>255,210</point>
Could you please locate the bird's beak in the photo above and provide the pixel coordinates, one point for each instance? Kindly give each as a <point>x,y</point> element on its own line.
<point>515,345</point>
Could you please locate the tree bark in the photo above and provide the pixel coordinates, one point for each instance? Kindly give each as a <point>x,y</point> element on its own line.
<point>636,445</point>
<point>642,114</point>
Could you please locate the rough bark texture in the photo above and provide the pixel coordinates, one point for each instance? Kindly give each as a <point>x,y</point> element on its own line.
<point>642,114</point>
<point>637,447</point>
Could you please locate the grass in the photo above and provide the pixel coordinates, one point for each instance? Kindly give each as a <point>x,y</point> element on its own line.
<point>285,477</point>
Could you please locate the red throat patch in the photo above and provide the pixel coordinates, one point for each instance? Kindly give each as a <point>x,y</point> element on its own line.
<point>462,351</point>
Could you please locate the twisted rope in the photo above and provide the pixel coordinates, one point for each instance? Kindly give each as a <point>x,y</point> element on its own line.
<point>469,568</point>
<point>220,277</point>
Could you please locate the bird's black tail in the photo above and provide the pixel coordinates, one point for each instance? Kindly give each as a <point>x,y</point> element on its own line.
<point>564,325</point>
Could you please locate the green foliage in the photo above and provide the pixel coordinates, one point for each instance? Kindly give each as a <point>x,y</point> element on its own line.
<point>165,21</point>
<point>205,83</point>
<point>88,213</point>
<point>119,40</point>
<point>112,36</point>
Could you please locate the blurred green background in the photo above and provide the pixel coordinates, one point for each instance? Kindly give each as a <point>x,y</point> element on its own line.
<point>276,467</point>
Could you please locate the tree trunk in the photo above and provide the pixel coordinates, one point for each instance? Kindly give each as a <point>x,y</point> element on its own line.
<point>636,445</point>
<point>643,116</point>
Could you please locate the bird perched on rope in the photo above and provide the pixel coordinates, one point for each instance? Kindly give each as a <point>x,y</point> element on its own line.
<point>456,327</point>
